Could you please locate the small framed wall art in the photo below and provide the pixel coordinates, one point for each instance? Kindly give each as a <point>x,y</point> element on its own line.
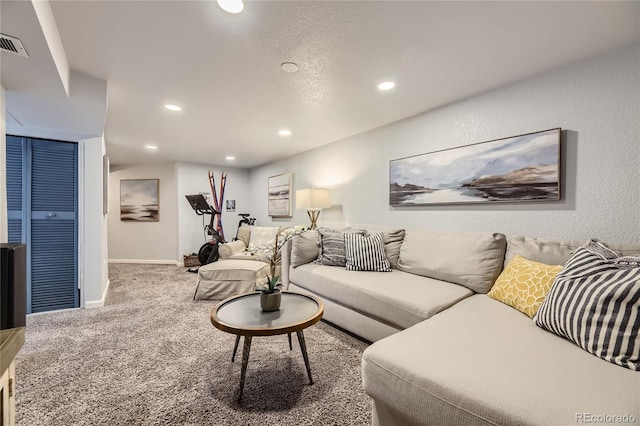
<point>105,184</point>
<point>515,169</point>
<point>279,195</point>
<point>140,200</point>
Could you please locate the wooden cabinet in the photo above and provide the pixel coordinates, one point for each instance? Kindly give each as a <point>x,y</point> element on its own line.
<point>10,343</point>
<point>7,393</point>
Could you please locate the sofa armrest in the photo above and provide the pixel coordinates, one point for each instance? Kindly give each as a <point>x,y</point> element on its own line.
<point>227,250</point>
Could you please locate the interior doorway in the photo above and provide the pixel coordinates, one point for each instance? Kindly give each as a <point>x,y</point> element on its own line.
<point>42,204</point>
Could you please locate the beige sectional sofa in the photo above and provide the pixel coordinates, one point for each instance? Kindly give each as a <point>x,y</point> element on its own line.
<point>447,354</point>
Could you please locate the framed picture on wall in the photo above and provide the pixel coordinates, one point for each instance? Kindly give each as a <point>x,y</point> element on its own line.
<point>140,200</point>
<point>105,184</point>
<point>279,195</point>
<point>519,168</point>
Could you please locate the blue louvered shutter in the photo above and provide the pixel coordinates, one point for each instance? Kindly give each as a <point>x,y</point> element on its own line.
<point>53,236</point>
<point>14,164</point>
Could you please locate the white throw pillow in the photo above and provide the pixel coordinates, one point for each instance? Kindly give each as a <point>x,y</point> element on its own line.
<point>262,240</point>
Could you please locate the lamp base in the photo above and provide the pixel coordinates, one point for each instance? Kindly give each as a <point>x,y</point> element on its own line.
<point>313,216</point>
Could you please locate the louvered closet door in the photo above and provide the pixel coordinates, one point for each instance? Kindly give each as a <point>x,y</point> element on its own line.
<point>15,148</point>
<point>53,233</point>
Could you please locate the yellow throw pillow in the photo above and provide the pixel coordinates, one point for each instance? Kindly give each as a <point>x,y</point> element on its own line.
<point>524,284</point>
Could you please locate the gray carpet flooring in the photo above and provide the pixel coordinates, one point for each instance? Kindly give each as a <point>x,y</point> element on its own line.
<point>152,357</point>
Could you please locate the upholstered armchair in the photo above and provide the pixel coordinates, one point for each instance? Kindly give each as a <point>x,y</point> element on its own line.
<point>253,243</point>
<point>239,247</point>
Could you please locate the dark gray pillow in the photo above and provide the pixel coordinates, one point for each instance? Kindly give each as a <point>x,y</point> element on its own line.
<point>332,246</point>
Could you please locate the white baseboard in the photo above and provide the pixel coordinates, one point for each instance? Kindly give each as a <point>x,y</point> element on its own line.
<point>147,261</point>
<point>90,304</point>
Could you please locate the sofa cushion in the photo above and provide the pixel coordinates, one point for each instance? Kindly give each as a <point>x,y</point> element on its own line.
<point>332,246</point>
<point>471,259</point>
<point>595,302</point>
<point>366,253</point>
<point>396,298</point>
<point>305,248</point>
<point>393,238</point>
<point>482,362</point>
<point>524,284</point>
<point>554,252</point>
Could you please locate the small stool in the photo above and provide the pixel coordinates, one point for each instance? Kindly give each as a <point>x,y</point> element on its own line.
<point>226,278</point>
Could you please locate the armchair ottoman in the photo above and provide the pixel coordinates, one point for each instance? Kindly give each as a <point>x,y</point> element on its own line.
<point>226,278</point>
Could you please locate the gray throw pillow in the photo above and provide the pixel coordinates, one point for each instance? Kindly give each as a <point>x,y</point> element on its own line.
<point>393,238</point>
<point>332,246</point>
<point>305,248</point>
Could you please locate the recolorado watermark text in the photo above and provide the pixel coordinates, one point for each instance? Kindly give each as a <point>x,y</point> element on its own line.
<point>605,418</point>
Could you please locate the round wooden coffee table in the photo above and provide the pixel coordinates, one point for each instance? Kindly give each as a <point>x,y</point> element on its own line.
<point>241,315</point>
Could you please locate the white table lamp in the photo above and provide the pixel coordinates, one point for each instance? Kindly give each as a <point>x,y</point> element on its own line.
<point>313,200</point>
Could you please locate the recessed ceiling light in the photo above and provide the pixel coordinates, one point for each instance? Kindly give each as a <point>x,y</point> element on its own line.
<point>151,148</point>
<point>229,158</point>
<point>231,6</point>
<point>284,132</point>
<point>172,107</point>
<point>387,85</point>
<point>289,67</point>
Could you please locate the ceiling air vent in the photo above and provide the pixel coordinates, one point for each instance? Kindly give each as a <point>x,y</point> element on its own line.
<point>12,45</point>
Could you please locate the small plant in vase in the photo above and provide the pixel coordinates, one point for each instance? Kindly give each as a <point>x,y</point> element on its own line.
<point>271,296</point>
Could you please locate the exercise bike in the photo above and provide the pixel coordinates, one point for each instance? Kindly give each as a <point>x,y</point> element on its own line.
<point>244,220</point>
<point>209,250</point>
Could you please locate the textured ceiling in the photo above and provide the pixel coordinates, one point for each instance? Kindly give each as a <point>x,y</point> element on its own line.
<point>225,69</point>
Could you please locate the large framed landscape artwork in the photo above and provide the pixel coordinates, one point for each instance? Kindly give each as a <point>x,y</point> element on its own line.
<point>515,169</point>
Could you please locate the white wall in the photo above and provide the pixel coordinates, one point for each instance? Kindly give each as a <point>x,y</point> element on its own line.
<point>193,179</point>
<point>145,242</point>
<point>105,230</point>
<point>595,101</point>
<point>180,230</point>
<point>92,230</point>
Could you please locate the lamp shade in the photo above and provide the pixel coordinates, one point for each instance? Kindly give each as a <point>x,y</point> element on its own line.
<point>313,198</point>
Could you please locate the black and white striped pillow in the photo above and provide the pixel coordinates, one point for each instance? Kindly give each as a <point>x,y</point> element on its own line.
<point>366,253</point>
<point>595,302</point>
